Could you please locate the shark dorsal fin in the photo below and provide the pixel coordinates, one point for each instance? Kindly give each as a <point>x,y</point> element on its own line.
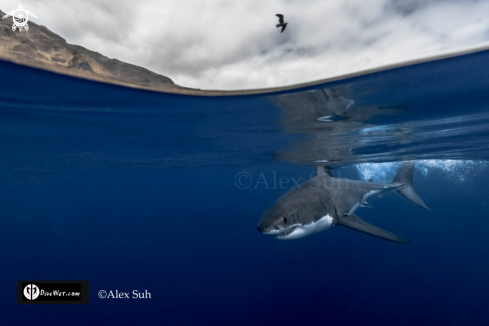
<point>323,170</point>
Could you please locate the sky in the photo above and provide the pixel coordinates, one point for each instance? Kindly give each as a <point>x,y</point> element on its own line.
<point>229,44</point>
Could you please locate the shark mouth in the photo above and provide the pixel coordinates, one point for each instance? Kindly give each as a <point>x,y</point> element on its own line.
<point>286,232</point>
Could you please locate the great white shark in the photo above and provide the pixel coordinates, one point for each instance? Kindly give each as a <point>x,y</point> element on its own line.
<point>325,201</point>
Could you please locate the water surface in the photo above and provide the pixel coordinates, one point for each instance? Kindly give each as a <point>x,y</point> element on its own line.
<point>136,190</point>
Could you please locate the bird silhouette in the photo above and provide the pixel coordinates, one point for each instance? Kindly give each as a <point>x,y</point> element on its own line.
<point>281,22</point>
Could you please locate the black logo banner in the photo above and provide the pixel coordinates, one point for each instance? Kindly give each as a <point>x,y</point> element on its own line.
<point>52,292</point>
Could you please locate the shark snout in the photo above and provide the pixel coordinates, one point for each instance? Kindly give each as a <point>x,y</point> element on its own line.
<point>275,229</point>
<point>263,228</point>
<point>267,229</point>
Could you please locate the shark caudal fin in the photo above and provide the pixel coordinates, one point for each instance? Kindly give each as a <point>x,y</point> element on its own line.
<point>405,176</point>
<point>355,223</point>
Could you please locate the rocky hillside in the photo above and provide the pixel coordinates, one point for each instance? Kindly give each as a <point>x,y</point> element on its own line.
<point>41,48</point>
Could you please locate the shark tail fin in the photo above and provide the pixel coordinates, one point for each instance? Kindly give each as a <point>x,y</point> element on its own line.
<point>405,176</point>
<point>324,170</point>
<point>355,223</point>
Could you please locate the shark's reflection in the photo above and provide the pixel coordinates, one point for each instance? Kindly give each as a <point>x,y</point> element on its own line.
<point>329,116</point>
<point>340,130</point>
<point>331,105</point>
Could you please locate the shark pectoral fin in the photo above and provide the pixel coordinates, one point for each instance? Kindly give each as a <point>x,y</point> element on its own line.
<point>356,223</point>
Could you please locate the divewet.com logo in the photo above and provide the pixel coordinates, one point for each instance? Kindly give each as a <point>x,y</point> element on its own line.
<point>52,292</point>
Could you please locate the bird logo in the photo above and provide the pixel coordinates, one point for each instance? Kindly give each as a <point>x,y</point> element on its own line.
<point>281,22</point>
<point>20,17</point>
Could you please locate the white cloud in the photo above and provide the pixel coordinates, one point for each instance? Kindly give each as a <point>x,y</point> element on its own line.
<point>228,44</point>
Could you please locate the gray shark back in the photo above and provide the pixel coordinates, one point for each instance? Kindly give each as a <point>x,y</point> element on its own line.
<point>347,195</point>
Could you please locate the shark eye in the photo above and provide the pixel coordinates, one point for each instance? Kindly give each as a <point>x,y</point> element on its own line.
<point>285,219</point>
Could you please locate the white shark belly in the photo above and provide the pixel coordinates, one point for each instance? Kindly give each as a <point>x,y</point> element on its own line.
<point>325,223</point>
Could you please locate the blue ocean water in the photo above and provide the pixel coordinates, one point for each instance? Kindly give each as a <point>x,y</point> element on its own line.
<point>138,190</point>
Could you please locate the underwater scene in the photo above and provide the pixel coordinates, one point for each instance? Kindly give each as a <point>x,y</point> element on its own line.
<point>379,180</point>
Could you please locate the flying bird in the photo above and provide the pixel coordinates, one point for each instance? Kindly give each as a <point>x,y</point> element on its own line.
<point>281,22</point>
